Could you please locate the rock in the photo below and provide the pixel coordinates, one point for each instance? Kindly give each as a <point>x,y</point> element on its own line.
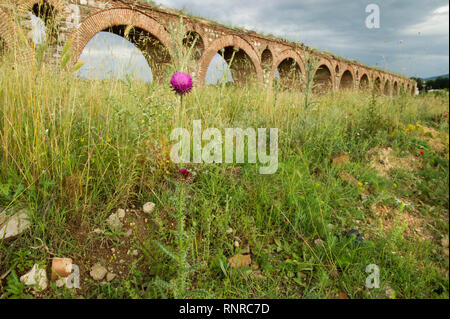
<point>340,160</point>
<point>148,207</point>
<point>128,233</point>
<point>389,292</point>
<point>239,261</point>
<point>13,225</point>
<point>61,282</point>
<point>36,276</point>
<point>110,276</point>
<point>115,220</point>
<point>98,272</point>
<point>318,242</point>
<point>61,268</point>
<point>230,230</point>
<point>258,275</point>
<point>121,213</point>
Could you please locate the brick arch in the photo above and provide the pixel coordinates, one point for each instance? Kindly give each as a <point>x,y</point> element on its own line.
<point>105,19</point>
<point>10,32</point>
<point>352,72</point>
<point>223,42</point>
<point>387,88</point>
<point>378,82</point>
<point>361,75</point>
<point>26,5</point>
<point>395,87</point>
<point>193,27</point>
<point>278,59</point>
<point>267,65</point>
<point>328,64</point>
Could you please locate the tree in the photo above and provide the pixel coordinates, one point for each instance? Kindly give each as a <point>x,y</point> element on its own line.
<point>420,83</point>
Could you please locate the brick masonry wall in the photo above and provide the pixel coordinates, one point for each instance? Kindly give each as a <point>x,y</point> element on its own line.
<point>80,20</point>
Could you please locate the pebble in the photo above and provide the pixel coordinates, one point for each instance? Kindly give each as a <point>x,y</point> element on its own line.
<point>110,276</point>
<point>98,272</point>
<point>115,220</point>
<point>318,242</point>
<point>148,207</point>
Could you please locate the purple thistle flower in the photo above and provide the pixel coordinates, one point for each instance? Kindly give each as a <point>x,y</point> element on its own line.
<point>181,83</point>
<point>184,172</point>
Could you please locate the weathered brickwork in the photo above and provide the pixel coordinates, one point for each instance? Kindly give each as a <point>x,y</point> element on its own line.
<point>254,56</point>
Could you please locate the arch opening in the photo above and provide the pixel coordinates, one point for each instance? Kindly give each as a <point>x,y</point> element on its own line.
<point>44,20</point>
<point>194,40</point>
<point>266,60</point>
<point>395,88</point>
<point>155,53</point>
<point>289,74</point>
<point>110,56</point>
<point>377,85</point>
<point>239,64</point>
<point>387,88</point>
<point>364,83</point>
<point>218,71</point>
<point>322,80</point>
<point>346,81</point>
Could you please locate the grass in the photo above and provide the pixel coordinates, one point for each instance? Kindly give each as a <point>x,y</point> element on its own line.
<point>74,151</point>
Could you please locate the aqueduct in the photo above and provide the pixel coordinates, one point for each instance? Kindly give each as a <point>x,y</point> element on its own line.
<point>146,25</point>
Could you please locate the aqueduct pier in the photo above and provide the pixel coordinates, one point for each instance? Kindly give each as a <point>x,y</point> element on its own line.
<point>147,26</point>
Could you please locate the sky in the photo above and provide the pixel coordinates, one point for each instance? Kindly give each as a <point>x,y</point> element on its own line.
<point>412,38</point>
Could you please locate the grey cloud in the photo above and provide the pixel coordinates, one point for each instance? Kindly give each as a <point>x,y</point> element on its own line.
<point>339,27</point>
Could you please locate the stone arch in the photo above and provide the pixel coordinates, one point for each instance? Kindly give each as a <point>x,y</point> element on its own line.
<point>337,69</point>
<point>192,31</point>
<point>387,87</point>
<point>245,64</point>
<point>290,67</point>
<point>377,84</point>
<point>364,82</point>
<point>9,37</point>
<point>147,34</point>
<point>395,88</point>
<point>190,37</point>
<point>52,12</point>
<point>25,6</point>
<point>324,78</point>
<point>347,81</point>
<point>267,59</point>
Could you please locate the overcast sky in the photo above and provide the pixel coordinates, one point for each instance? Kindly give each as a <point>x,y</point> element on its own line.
<point>413,38</point>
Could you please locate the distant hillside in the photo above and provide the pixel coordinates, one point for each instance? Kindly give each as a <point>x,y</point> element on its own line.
<point>435,77</point>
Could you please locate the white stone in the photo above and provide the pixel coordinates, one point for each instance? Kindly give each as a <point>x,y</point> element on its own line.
<point>98,272</point>
<point>14,225</point>
<point>110,276</point>
<point>115,220</point>
<point>149,207</point>
<point>36,276</point>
